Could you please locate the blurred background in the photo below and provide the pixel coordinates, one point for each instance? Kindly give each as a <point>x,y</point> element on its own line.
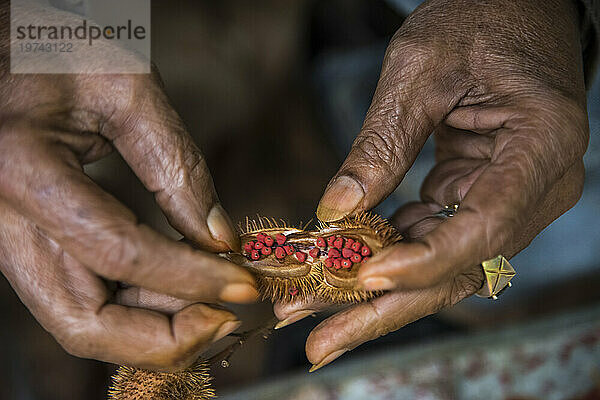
<point>274,92</point>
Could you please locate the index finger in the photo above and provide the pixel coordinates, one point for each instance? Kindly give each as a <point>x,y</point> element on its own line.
<point>415,92</point>
<point>100,232</point>
<point>153,140</point>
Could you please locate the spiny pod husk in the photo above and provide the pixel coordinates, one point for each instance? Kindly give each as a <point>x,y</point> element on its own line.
<point>319,264</point>
<point>192,383</point>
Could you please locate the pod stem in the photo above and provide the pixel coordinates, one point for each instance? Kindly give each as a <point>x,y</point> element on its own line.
<point>223,356</point>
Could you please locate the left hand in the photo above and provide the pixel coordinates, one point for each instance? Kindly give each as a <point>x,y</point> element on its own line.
<point>501,85</point>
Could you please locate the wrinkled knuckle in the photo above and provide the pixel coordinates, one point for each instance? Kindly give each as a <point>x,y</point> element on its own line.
<point>127,89</point>
<point>363,323</point>
<point>425,66</point>
<point>119,253</point>
<point>176,175</point>
<point>377,150</point>
<point>190,168</point>
<point>122,108</point>
<point>574,114</point>
<point>194,163</point>
<point>443,299</point>
<point>184,162</point>
<point>462,286</point>
<point>407,51</point>
<point>561,118</point>
<point>382,326</point>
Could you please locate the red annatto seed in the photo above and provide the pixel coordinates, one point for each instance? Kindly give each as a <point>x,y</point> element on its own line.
<point>265,251</point>
<point>254,254</point>
<point>279,252</point>
<point>258,245</point>
<point>329,262</point>
<point>330,240</point>
<point>249,246</point>
<point>347,253</point>
<point>366,259</point>
<point>365,251</point>
<point>333,253</point>
<point>356,258</point>
<point>348,244</point>
<point>321,243</point>
<point>289,250</point>
<point>300,256</point>
<point>280,238</point>
<point>337,263</point>
<point>338,243</point>
<point>294,291</point>
<point>261,237</point>
<point>314,252</point>
<point>356,246</point>
<point>269,241</point>
<point>346,263</point>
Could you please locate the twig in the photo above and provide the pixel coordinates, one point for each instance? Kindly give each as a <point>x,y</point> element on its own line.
<point>223,356</point>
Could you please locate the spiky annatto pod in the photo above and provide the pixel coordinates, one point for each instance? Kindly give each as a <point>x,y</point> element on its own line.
<point>292,263</point>
<point>289,263</point>
<point>138,384</point>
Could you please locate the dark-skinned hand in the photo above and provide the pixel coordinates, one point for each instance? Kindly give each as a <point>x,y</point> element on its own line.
<point>500,85</point>
<point>62,237</point>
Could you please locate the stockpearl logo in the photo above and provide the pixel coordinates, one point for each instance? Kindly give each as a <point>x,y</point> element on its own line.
<point>80,36</point>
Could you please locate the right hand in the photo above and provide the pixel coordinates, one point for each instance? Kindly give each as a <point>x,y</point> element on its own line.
<point>500,82</point>
<point>62,236</point>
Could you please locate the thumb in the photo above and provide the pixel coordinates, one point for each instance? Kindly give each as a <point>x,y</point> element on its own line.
<point>415,92</point>
<point>154,142</point>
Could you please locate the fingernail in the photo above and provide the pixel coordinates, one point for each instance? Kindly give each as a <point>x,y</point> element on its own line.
<point>239,293</point>
<point>327,360</point>
<point>293,318</point>
<point>340,199</point>
<point>226,329</point>
<point>378,283</point>
<point>221,228</point>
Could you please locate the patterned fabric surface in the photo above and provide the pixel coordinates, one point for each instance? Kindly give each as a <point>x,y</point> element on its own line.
<point>555,359</point>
